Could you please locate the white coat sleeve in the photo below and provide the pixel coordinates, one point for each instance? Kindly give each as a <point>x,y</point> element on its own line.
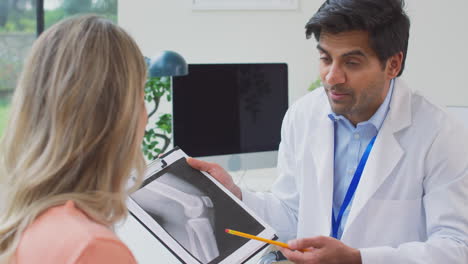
<point>445,202</point>
<point>279,208</point>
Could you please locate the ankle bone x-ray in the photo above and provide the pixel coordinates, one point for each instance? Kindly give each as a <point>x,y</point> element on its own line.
<point>195,212</point>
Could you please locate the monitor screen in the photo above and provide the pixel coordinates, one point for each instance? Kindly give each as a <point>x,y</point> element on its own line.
<point>221,109</point>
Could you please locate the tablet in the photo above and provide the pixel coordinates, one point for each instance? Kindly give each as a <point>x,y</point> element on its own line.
<point>188,211</point>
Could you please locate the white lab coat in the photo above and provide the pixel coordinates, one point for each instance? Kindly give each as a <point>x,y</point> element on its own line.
<point>411,205</point>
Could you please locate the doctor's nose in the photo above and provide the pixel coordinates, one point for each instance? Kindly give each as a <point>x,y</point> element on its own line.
<point>335,75</point>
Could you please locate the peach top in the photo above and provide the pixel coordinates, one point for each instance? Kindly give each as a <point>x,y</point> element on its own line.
<point>65,235</point>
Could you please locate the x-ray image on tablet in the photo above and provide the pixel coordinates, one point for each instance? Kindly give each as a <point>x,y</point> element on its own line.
<point>188,211</point>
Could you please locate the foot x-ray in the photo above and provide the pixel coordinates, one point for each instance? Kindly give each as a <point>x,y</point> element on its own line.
<point>185,208</point>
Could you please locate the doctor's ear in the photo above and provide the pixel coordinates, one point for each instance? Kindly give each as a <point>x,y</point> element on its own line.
<point>393,66</point>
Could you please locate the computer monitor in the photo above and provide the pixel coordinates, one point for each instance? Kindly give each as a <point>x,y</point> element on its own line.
<point>231,114</point>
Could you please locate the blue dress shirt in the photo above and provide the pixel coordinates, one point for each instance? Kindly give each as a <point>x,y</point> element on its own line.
<point>350,144</point>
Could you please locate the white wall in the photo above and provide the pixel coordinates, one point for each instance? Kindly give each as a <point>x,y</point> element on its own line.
<point>437,57</point>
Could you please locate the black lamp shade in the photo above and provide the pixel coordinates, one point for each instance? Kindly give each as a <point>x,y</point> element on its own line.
<point>168,63</point>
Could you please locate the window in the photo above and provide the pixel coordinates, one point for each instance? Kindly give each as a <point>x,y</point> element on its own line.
<point>21,21</point>
<point>56,10</point>
<point>17,33</point>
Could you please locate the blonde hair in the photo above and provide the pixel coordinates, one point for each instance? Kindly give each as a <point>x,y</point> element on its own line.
<point>72,133</point>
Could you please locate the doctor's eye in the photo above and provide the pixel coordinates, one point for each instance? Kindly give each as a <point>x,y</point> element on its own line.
<point>325,60</point>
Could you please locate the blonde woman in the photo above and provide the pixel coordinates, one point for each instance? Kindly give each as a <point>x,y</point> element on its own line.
<point>74,135</point>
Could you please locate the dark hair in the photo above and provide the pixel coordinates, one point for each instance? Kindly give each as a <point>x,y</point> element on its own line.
<point>385,20</point>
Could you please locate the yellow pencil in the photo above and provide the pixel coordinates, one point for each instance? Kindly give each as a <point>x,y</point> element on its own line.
<point>277,243</point>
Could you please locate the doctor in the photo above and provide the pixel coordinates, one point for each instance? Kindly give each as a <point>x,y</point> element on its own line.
<point>369,170</point>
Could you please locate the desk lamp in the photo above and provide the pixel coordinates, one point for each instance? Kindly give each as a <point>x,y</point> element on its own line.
<point>168,63</point>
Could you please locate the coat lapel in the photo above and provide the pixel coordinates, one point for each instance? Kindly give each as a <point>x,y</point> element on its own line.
<point>386,152</point>
<point>322,155</point>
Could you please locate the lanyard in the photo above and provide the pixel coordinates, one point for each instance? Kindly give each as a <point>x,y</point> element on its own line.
<point>351,189</point>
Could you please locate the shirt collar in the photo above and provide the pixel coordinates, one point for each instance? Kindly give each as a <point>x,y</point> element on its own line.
<point>379,116</point>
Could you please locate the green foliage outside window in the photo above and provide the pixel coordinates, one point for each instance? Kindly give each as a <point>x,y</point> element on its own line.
<point>18,16</point>
<point>105,8</point>
<point>4,106</point>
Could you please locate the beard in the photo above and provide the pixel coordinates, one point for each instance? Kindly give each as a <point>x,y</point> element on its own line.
<point>344,107</point>
<point>356,105</point>
<point>339,89</point>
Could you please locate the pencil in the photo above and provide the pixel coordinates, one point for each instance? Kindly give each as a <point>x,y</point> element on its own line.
<point>277,243</point>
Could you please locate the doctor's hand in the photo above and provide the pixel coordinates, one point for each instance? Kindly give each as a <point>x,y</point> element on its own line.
<point>218,173</point>
<point>321,250</point>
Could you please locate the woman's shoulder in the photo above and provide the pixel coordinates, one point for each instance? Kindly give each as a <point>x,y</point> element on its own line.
<point>64,234</point>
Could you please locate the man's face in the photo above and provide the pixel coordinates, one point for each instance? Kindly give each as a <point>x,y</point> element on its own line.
<point>353,77</point>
